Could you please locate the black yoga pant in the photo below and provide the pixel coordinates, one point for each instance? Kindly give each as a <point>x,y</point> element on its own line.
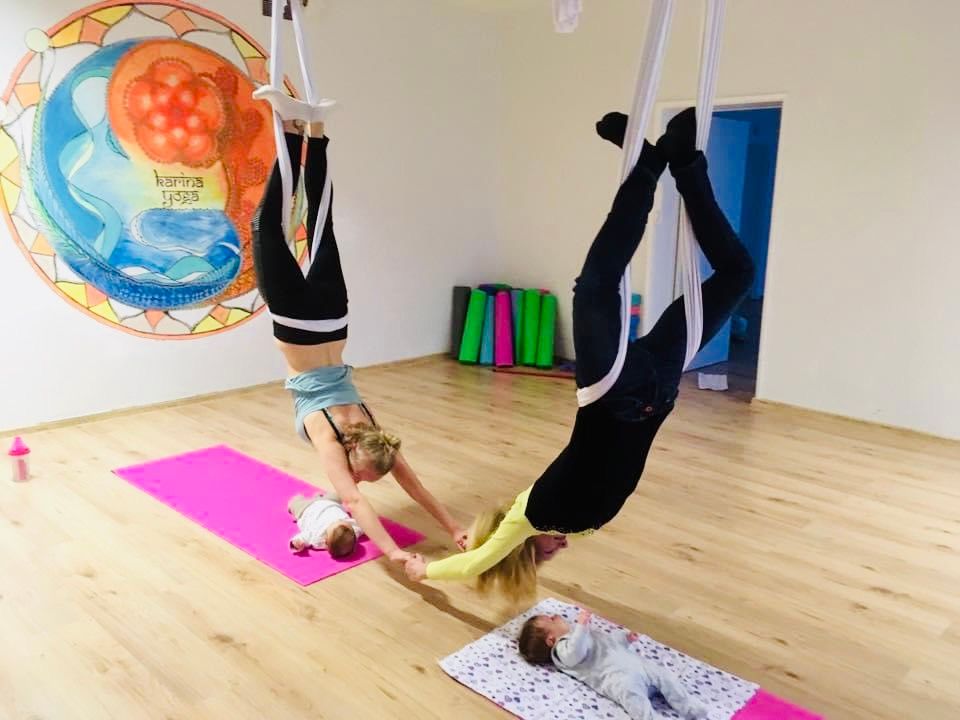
<point>308,308</point>
<point>651,374</point>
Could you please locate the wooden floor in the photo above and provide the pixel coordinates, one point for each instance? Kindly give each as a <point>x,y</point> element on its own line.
<point>816,556</point>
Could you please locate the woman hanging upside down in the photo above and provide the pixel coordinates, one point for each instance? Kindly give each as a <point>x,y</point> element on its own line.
<point>591,479</point>
<point>309,312</point>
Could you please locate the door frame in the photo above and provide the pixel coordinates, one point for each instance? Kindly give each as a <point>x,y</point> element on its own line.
<point>659,256</point>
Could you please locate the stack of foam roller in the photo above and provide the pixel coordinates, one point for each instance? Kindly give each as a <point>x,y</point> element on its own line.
<point>498,325</point>
<point>636,315</point>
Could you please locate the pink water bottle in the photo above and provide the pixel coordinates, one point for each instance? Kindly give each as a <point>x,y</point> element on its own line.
<point>19,459</point>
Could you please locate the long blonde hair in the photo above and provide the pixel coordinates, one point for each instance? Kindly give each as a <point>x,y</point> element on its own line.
<point>379,446</point>
<point>516,575</point>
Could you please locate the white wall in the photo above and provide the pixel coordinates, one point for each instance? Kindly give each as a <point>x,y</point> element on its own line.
<point>861,297</point>
<point>464,150</point>
<point>413,157</point>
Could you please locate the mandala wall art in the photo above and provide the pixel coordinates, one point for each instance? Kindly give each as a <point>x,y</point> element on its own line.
<point>132,159</point>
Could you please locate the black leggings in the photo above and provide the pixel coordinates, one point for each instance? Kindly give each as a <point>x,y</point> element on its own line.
<point>651,375</point>
<point>311,308</point>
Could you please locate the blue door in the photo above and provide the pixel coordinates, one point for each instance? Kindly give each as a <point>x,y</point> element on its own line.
<point>727,160</point>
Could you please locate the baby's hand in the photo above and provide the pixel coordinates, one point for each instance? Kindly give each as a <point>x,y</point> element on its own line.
<point>297,545</point>
<point>584,617</point>
<point>632,637</point>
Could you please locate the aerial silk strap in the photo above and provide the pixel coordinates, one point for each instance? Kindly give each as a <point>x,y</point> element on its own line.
<point>648,82</point>
<point>276,80</point>
<point>566,15</point>
<point>688,249</point>
<point>283,159</point>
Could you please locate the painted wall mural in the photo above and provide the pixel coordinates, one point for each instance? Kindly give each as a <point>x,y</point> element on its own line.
<point>132,159</point>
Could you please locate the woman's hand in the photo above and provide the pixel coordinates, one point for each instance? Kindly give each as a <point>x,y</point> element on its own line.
<point>459,536</point>
<point>399,556</point>
<point>416,568</point>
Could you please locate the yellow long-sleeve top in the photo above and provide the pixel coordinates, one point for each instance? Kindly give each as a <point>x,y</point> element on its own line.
<point>512,531</point>
<point>582,490</point>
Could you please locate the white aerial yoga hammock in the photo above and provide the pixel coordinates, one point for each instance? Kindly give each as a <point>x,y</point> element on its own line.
<point>566,16</point>
<point>283,159</point>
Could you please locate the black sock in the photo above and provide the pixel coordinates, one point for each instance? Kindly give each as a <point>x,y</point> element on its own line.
<point>652,159</point>
<point>613,127</point>
<point>679,143</point>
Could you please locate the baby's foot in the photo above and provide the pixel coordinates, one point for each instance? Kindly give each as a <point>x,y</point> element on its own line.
<point>292,109</point>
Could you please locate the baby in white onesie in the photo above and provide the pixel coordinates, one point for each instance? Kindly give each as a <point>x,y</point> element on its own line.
<point>606,663</point>
<point>323,524</point>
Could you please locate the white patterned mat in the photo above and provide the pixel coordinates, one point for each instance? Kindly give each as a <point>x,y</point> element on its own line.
<point>492,667</point>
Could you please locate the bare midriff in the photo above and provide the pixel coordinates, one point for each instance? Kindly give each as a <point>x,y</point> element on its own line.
<point>303,358</point>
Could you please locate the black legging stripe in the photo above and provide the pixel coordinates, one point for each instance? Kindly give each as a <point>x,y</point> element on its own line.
<point>321,295</point>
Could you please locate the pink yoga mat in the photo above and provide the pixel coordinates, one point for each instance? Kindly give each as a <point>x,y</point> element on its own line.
<point>503,339</point>
<point>244,502</point>
<point>764,706</point>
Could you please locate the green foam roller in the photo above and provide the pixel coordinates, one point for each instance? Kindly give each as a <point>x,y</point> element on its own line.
<point>458,316</point>
<point>531,326</point>
<point>473,327</point>
<point>548,322</point>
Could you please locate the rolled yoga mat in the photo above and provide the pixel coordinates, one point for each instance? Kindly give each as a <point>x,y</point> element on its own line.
<point>458,316</point>
<point>548,320</point>
<point>473,327</point>
<point>486,346</point>
<point>531,326</point>
<point>516,298</point>
<point>503,331</point>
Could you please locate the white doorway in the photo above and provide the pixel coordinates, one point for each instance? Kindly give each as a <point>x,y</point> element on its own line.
<point>742,159</point>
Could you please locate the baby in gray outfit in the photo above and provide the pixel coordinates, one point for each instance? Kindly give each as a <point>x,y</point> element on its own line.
<point>606,663</point>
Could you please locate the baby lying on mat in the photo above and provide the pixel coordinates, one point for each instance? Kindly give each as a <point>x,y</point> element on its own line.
<point>607,664</point>
<point>323,524</point>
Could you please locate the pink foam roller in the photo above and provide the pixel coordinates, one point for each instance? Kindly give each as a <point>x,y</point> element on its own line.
<point>503,339</point>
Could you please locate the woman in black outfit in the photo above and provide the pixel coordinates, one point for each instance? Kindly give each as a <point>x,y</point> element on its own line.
<point>591,479</point>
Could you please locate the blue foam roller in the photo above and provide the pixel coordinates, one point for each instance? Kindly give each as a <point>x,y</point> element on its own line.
<point>486,345</point>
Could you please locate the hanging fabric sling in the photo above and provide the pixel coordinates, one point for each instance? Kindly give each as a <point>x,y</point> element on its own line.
<point>566,18</point>
<point>283,159</point>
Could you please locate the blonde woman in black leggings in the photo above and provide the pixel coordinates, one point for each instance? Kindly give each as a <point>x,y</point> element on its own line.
<point>309,313</point>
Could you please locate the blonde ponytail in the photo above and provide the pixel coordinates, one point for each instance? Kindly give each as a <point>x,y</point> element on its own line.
<point>516,575</point>
<point>379,447</point>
